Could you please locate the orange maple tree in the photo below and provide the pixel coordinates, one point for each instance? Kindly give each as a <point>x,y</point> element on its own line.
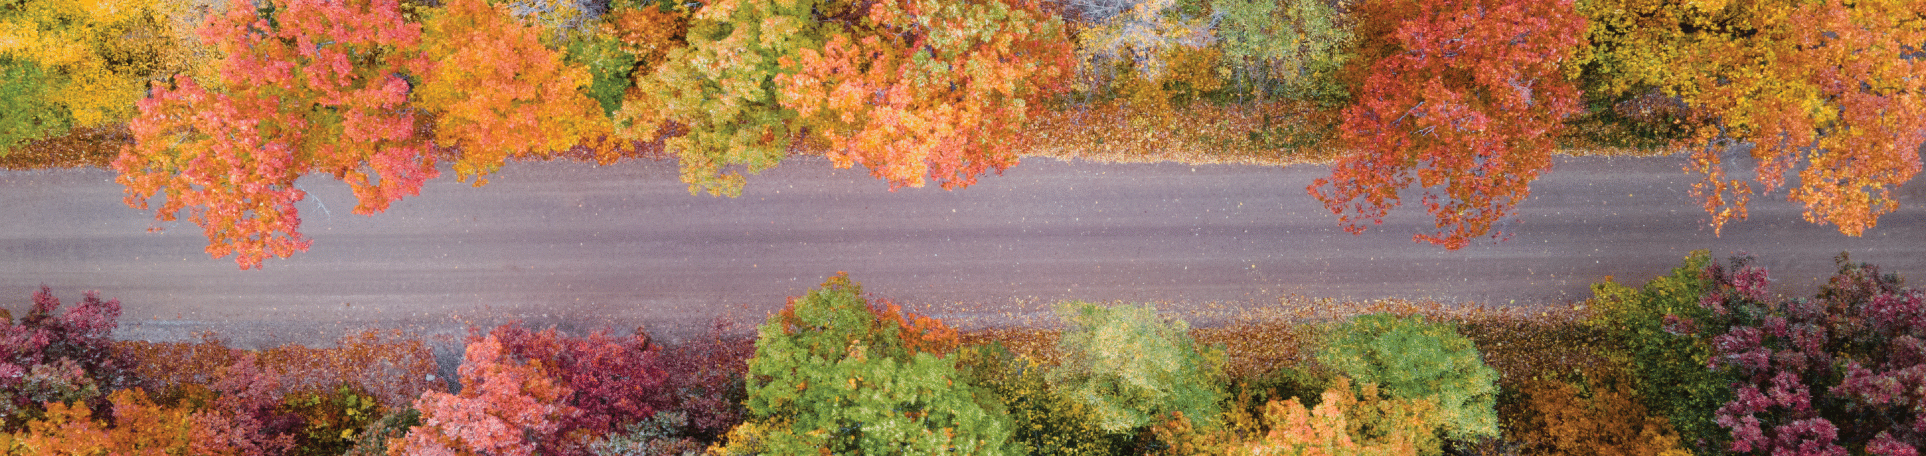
<point>315,87</point>
<point>1829,90</point>
<point>499,93</point>
<point>934,88</point>
<point>1461,97</point>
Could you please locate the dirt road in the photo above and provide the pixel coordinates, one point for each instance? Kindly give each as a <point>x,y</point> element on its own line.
<point>626,245</point>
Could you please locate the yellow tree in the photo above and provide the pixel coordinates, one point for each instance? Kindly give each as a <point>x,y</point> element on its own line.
<point>1822,89</point>
<point>498,92</point>
<point>1826,89</point>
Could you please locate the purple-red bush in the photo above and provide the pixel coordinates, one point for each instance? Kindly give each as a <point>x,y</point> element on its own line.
<point>65,357</point>
<point>705,378</point>
<point>614,380</point>
<point>245,419</point>
<point>1843,371</point>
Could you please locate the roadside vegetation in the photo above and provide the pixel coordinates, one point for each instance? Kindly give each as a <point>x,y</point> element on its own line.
<point>1704,360</point>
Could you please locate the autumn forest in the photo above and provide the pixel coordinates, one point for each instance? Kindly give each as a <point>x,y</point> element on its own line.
<point>209,111</point>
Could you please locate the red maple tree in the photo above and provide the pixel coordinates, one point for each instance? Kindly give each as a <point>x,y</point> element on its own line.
<point>315,88</point>
<point>1461,97</point>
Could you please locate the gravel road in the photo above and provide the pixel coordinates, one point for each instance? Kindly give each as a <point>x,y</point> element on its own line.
<point>626,245</point>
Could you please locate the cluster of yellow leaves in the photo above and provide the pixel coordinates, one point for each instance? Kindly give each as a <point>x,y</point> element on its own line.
<point>1826,89</point>
<point>1140,37</point>
<point>499,92</point>
<point>1850,114</point>
<point>650,34</point>
<point>1346,421</point>
<point>106,50</point>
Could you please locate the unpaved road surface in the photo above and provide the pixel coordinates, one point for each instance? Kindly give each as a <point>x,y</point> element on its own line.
<point>627,245</point>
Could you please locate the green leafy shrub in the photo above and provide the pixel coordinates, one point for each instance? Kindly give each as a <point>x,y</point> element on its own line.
<point>831,376</point>
<point>1412,358</point>
<point>1291,48</point>
<point>660,435</point>
<point>1668,363</point>
<point>609,67</point>
<point>1045,420</point>
<point>26,112</point>
<point>1130,367</point>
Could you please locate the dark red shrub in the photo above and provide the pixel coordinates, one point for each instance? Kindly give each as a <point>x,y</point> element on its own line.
<point>58,356</point>
<point>1843,371</point>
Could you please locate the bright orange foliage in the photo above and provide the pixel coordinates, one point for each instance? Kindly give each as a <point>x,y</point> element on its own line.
<point>507,408</point>
<point>286,106</point>
<point>1463,98</point>
<point>1832,91</point>
<point>140,429</point>
<point>919,333</point>
<point>498,93</point>
<point>1344,422</point>
<point>929,88</point>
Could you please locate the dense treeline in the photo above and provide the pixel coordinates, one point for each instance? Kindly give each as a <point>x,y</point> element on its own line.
<point>215,109</point>
<point>1704,360</point>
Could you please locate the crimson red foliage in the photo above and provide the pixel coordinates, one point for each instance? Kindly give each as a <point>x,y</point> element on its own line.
<point>1462,98</point>
<point>614,380</point>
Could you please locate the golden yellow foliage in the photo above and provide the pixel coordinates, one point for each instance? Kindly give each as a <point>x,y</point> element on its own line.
<point>106,50</point>
<point>1599,416</point>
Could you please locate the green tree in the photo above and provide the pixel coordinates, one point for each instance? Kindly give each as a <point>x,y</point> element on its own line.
<point>1292,48</point>
<point>1046,421</point>
<point>1652,330</point>
<point>27,111</point>
<point>722,87</point>
<point>830,376</point>
<point>1412,358</point>
<point>1131,367</point>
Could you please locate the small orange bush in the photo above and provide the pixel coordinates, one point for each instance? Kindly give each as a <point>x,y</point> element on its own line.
<point>1600,415</point>
<point>143,429</point>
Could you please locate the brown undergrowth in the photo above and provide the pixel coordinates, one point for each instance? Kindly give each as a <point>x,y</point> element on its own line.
<point>392,366</point>
<point>1272,133</point>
